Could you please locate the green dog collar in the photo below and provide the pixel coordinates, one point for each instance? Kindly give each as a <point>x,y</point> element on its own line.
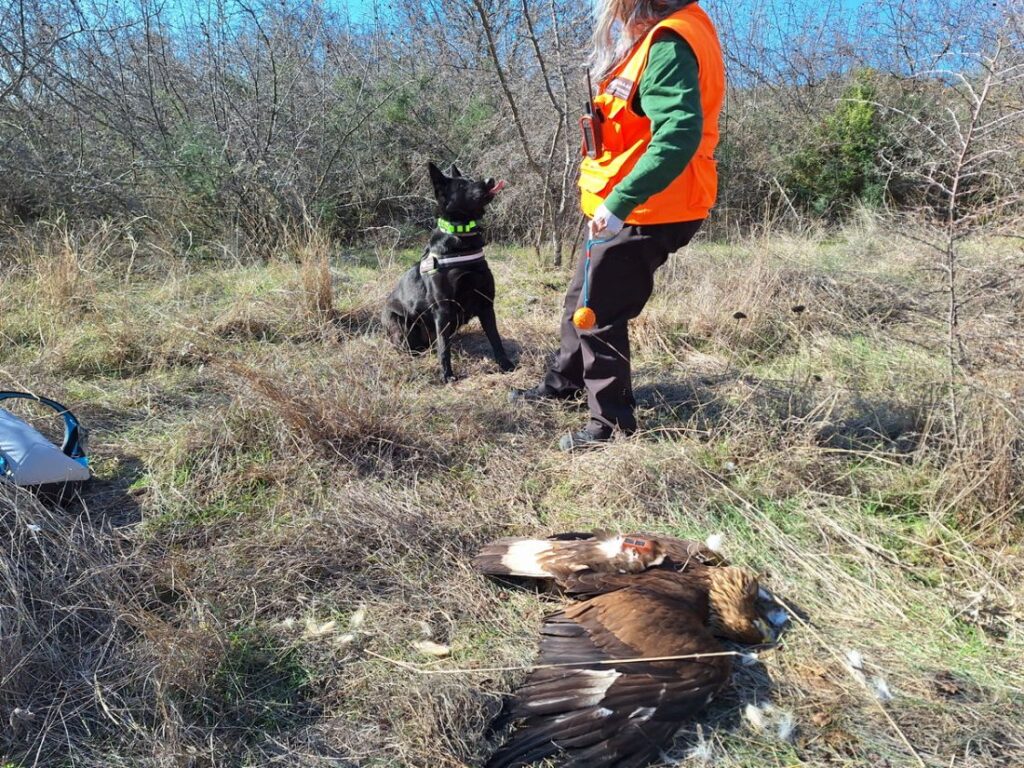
<point>455,229</point>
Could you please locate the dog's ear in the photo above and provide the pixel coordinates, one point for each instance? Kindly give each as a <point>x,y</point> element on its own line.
<point>455,172</point>
<point>437,178</point>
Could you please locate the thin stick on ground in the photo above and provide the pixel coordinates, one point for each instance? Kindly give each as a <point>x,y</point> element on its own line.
<point>419,670</point>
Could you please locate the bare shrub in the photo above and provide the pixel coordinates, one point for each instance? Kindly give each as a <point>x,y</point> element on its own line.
<point>971,183</point>
<point>229,126</point>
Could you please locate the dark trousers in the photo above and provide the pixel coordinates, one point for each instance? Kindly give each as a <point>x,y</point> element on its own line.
<point>621,281</point>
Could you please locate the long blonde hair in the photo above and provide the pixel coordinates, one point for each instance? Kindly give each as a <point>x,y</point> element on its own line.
<point>618,24</point>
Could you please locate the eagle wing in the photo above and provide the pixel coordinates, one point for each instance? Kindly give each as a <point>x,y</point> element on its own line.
<point>597,711</point>
<point>567,557</point>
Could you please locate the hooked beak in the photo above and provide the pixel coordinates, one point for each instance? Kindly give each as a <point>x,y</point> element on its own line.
<point>771,611</point>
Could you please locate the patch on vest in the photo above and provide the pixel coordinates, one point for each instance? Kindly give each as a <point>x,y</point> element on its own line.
<point>620,87</point>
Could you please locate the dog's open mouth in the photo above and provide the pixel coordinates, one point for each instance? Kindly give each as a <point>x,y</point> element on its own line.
<point>496,187</point>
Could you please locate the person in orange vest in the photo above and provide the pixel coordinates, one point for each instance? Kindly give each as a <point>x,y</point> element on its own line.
<point>647,182</point>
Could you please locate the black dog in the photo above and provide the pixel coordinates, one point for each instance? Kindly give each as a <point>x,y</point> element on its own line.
<point>452,283</point>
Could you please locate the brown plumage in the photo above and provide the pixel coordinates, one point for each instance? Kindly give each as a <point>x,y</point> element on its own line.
<point>643,597</point>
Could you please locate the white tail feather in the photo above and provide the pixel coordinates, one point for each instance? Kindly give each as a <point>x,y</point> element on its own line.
<point>521,558</point>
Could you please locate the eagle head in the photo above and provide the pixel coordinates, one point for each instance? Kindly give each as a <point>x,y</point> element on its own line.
<point>732,603</point>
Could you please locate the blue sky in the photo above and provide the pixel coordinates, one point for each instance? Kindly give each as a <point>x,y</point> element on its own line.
<point>358,10</point>
<point>363,10</point>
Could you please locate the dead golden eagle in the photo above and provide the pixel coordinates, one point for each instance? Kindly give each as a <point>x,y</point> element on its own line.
<point>641,597</point>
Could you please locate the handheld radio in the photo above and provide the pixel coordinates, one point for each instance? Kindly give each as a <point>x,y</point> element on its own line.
<point>590,124</point>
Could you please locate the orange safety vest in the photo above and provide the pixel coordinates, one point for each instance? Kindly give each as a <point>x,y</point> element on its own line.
<point>626,135</point>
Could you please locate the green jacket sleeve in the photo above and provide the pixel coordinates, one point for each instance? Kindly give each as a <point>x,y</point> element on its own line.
<point>669,95</point>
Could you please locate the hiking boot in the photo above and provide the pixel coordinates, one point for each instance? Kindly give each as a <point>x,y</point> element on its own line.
<point>537,394</point>
<point>592,436</point>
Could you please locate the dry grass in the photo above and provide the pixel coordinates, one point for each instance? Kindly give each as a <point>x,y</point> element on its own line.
<point>281,495</point>
<point>68,597</point>
<point>313,253</point>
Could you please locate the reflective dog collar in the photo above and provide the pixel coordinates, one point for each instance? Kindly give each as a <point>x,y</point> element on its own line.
<point>456,229</point>
<point>432,263</point>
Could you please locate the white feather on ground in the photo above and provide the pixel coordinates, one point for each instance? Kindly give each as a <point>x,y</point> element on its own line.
<point>881,689</point>
<point>357,619</point>
<point>855,665</point>
<point>769,719</point>
<point>714,542</point>
<point>430,648</point>
<point>315,629</point>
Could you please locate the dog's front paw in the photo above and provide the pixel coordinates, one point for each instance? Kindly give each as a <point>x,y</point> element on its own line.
<point>449,378</point>
<point>506,365</point>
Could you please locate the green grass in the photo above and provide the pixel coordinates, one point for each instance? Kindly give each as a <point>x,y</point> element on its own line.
<point>862,363</point>
<point>257,686</point>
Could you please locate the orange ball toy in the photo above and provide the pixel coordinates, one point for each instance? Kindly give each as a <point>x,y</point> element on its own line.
<point>584,318</point>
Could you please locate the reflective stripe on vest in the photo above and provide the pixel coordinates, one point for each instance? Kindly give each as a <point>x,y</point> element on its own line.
<point>626,135</point>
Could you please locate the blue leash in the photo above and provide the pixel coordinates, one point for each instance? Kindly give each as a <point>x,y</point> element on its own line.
<point>586,269</point>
